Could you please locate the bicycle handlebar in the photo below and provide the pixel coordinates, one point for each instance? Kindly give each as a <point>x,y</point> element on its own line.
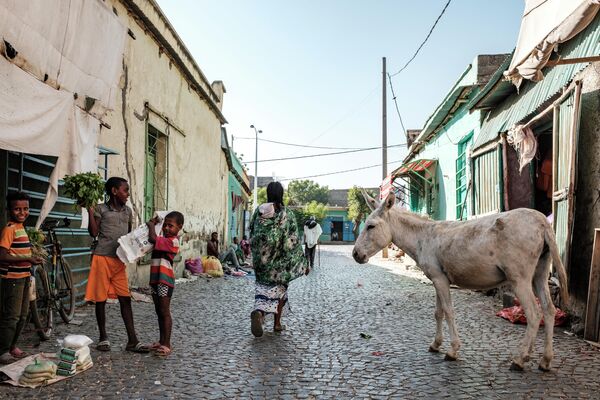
<point>51,224</point>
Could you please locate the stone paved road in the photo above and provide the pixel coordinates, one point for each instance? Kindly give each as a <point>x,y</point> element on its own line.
<point>321,355</point>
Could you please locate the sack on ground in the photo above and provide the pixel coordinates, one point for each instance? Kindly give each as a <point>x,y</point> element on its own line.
<point>135,244</point>
<point>194,265</point>
<point>212,266</point>
<point>77,341</point>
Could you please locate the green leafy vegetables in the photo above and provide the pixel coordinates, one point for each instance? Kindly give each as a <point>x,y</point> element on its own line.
<point>86,188</point>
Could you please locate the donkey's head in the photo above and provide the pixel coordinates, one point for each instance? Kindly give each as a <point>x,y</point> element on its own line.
<point>377,233</point>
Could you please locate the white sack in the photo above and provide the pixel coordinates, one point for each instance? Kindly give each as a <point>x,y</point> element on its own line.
<point>135,244</point>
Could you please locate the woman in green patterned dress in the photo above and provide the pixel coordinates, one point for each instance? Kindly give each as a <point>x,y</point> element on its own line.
<point>277,257</point>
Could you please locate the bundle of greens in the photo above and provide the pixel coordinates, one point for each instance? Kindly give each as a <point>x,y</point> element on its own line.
<point>37,238</point>
<point>86,188</point>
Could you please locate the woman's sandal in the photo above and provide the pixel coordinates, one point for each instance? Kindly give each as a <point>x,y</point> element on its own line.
<point>153,346</point>
<point>103,346</point>
<point>18,353</point>
<point>162,351</point>
<point>137,348</point>
<point>256,323</point>
<point>279,329</point>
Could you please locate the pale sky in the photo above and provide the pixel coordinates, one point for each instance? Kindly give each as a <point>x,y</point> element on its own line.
<point>309,72</point>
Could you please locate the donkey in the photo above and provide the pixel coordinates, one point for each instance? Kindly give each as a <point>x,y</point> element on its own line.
<point>513,247</point>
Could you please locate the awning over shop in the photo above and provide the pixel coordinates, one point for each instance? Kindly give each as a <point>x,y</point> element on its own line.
<point>423,169</point>
<point>544,25</point>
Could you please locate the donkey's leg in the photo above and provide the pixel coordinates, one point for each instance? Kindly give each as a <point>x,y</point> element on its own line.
<point>524,292</point>
<point>439,320</point>
<point>540,284</point>
<point>442,288</point>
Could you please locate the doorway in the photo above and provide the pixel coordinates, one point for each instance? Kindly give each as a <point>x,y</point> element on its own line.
<point>337,231</point>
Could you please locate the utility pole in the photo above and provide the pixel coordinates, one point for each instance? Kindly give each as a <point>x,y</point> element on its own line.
<point>255,198</point>
<point>384,134</point>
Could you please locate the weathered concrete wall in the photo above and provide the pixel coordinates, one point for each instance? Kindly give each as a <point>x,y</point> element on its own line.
<point>587,208</point>
<point>197,169</point>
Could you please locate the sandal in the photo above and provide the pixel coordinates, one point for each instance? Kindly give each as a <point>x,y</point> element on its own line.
<point>162,351</point>
<point>153,346</point>
<point>18,353</point>
<point>256,323</point>
<point>103,346</point>
<point>137,348</point>
<point>279,328</point>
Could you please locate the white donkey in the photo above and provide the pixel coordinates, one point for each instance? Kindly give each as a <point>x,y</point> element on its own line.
<point>513,247</point>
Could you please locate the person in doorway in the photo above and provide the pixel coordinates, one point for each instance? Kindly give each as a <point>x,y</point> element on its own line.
<point>162,276</point>
<point>312,232</point>
<point>212,248</point>
<point>277,257</point>
<point>108,275</point>
<point>15,277</point>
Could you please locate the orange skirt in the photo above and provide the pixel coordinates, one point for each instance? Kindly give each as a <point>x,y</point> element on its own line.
<point>107,279</point>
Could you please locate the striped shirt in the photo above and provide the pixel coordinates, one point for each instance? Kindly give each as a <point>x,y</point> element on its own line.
<point>15,240</point>
<point>161,266</point>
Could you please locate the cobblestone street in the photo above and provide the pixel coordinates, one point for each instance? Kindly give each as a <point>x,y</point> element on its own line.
<point>322,354</point>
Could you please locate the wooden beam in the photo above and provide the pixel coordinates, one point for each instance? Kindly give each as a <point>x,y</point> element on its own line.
<point>591,316</point>
<point>564,61</point>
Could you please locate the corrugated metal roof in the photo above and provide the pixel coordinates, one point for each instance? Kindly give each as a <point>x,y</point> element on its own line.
<point>496,90</point>
<point>534,95</point>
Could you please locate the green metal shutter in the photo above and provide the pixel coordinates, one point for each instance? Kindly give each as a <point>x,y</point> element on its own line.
<point>487,182</point>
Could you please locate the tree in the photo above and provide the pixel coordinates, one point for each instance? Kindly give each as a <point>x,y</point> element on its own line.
<point>317,210</point>
<point>358,209</point>
<point>304,191</point>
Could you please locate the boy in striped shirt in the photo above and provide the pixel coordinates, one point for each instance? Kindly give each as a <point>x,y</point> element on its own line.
<point>162,276</point>
<point>15,276</point>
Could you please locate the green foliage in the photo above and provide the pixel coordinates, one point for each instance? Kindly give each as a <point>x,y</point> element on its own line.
<point>86,188</point>
<point>37,238</point>
<point>357,207</point>
<point>317,210</point>
<point>304,191</point>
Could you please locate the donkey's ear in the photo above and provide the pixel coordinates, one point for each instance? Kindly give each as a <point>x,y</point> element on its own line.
<point>390,201</point>
<point>371,202</point>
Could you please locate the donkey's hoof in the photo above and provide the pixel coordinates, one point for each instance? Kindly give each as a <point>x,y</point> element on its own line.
<point>433,349</point>
<point>544,369</point>
<point>515,367</point>
<point>449,357</point>
<point>544,365</point>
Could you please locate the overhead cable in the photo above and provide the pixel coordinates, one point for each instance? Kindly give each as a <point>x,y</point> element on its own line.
<point>424,41</point>
<point>300,145</point>
<point>325,154</point>
<point>396,103</point>
<point>339,172</point>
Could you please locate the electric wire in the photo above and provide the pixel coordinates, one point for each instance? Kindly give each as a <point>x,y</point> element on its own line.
<point>426,39</point>
<point>339,172</point>
<point>300,145</point>
<point>396,104</point>
<point>325,154</point>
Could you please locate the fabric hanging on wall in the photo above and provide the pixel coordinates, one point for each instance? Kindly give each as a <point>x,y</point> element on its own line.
<point>545,24</point>
<point>37,119</point>
<point>524,141</point>
<point>77,45</point>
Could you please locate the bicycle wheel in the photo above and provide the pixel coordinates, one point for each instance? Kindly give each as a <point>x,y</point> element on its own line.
<point>65,291</point>
<point>41,307</point>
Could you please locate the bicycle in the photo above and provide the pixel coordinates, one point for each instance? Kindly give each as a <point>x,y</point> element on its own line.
<point>53,284</point>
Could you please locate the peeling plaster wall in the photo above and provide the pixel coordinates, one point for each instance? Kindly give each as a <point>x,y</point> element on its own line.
<point>587,206</point>
<point>197,169</point>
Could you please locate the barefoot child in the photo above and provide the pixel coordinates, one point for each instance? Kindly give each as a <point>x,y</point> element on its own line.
<point>162,277</point>
<point>15,277</point>
<point>108,275</point>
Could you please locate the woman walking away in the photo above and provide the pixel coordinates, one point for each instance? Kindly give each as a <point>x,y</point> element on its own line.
<point>277,257</point>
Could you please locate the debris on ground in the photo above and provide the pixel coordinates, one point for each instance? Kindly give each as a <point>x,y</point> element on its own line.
<point>516,315</point>
<point>365,336</point>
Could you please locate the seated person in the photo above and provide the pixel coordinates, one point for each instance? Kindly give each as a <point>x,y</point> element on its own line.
<point>212,248</point>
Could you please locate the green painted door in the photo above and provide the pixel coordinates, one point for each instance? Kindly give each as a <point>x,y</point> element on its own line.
<point>461,177</point>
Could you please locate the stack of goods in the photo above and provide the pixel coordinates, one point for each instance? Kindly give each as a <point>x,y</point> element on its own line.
<point>75,355</point>
<point>38,373</point>
<point>212,266</point>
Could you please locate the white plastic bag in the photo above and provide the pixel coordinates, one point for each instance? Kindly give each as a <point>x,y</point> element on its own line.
<point>135,244</point>
<point>77,341</point>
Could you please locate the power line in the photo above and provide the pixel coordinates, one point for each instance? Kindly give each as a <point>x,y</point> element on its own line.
<point>424,41</point>
<point>396,103</point>
<point>325,154</point>
<point>338,172</point>
<point>300,145</point>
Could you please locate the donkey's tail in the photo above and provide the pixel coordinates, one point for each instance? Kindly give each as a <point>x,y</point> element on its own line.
<point>550,240</point>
